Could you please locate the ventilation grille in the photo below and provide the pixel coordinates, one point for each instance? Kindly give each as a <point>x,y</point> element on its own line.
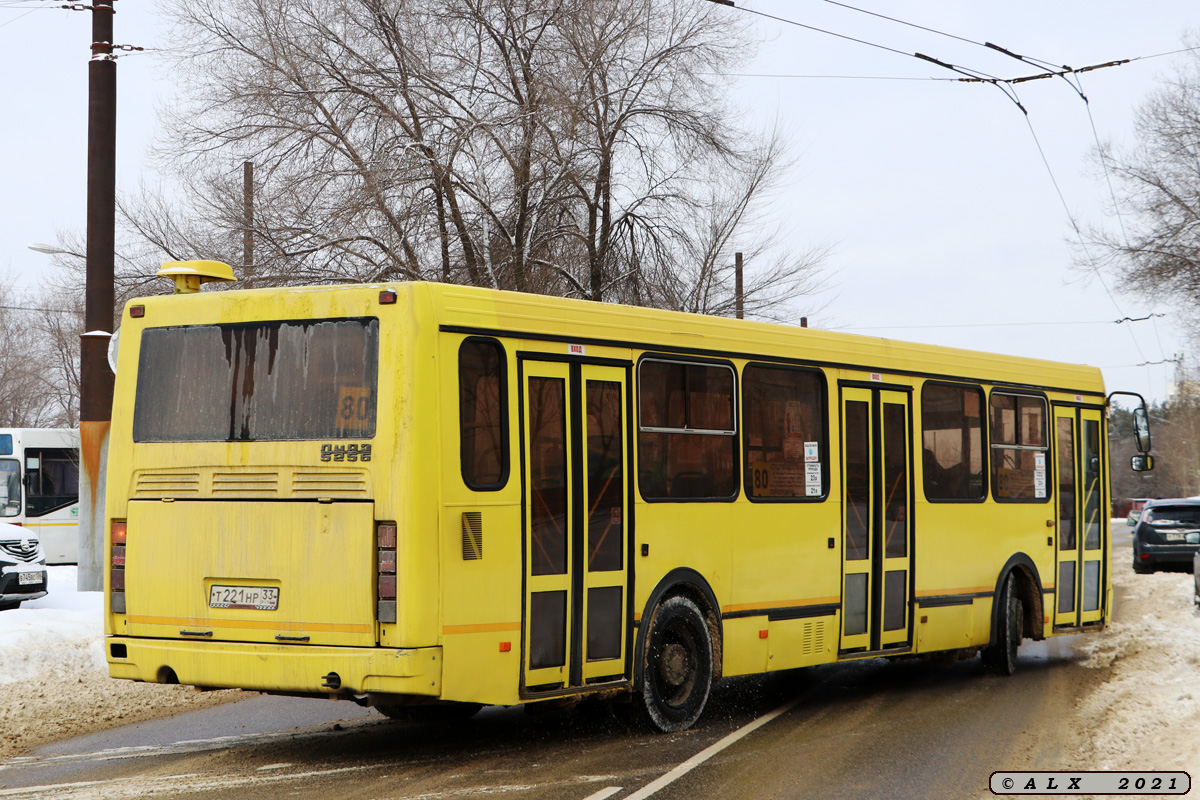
<point>236,484</point>
<point>172,484</point>
<point>472,535</point>
<point>812,638</point>
<point>329,484</point>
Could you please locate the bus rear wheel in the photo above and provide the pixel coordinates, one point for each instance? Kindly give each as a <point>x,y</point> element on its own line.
<point>1001,657</point>
<point>679,665</point>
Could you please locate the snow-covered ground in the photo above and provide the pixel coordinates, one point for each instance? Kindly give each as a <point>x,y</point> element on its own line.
<point>1143,713</point>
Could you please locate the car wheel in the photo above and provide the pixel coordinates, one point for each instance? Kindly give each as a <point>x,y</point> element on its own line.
<point>1001,657</point>
<point>8,605</point>
<point>679,665</point>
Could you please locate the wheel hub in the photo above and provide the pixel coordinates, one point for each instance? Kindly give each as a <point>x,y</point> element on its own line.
<point>674,664</point>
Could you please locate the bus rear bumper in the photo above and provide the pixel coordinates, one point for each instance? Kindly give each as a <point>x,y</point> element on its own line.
<point>299,669</point>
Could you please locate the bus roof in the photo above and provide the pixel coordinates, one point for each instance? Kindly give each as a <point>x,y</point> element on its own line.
<point>503,313</point>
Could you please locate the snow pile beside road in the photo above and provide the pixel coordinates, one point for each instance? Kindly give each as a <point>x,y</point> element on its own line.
<point>58,635</point>
<point>1146,715</point>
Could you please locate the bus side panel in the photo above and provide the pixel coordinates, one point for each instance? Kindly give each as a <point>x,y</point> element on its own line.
<point>481,601</point>
<point>481,590</point>
<point>782,562</point>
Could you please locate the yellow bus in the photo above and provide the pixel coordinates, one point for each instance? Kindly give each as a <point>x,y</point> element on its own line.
<point>426,495</point>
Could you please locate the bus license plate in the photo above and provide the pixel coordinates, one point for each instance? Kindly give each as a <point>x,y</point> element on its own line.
<point>260,598</point>
<point>25,578</point>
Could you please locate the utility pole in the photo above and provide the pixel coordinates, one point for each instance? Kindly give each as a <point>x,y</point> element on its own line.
<point>247,217</point>
<point>95,377</point>
<point>737,284</point>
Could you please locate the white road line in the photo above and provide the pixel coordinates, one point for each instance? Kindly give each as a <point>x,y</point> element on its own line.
<point>712,750</point>
<point>603,794</point>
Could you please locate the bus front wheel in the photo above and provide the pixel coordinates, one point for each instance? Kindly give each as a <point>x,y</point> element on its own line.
<point>1001,657</point>
<point>679,665</point>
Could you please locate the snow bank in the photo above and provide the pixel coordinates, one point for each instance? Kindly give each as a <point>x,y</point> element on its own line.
<point>54,636</point>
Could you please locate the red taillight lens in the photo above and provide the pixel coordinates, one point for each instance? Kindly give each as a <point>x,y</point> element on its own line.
<point>137,312</point>
<point>385,542</point>
<point>116,569</point>
<point>387,297</point>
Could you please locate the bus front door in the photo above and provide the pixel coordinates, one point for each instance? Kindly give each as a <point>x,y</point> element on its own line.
<point>1082,523</point>
<point>575,476</point>
<point>877,531</point>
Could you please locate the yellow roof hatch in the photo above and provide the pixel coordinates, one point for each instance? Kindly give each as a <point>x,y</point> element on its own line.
<point>189,275</point>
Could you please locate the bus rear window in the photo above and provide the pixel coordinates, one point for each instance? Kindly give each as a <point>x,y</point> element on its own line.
<point>264,381</point>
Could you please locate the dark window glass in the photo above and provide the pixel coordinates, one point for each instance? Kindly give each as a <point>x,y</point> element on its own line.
<point>858,481</point>
<point>952,442</point>
<point>687,441</point>
<point>265,381</point>
<point>547,476</point>
<point>1065,427</point>
<point>481,414</point>
<point>547,629</point>
<point>784,415</point>
<point>1091,486</point>
<point>895,481</point>
<point>10,488</point>
<point>605,476</point>
<point>53,483</point>
<point>5,444</point>
<point>604,623</point>
<point>1018,433</point>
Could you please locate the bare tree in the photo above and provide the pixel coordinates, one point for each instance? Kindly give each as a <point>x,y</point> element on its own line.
<point>1156,252</point>
<point>37,341</point>
<point>575,147</point>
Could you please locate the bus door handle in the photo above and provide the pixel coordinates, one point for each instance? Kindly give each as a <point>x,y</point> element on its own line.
<point>283,638</point>
<point>195,633</point>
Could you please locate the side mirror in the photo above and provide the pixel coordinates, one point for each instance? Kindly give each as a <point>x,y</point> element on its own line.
<point>1141,432</point>
<point>1142,463</point>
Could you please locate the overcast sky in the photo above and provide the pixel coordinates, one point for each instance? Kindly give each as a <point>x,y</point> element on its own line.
<point>944,223</point>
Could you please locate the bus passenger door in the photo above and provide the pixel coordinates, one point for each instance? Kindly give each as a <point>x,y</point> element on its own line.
<point>877,528</point>
<point>1082,524</point>
<point>575,474</point>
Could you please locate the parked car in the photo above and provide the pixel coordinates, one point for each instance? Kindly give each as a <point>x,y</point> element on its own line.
<point>22,566</point>
<point>1168,533</point>
<point>1196,578</point>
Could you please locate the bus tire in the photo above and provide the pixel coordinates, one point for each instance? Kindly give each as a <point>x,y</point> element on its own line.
<point>1001,657</point>
<point>679,665</point>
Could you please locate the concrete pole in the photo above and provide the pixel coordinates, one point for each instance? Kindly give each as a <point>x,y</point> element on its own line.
<point>95,377</point>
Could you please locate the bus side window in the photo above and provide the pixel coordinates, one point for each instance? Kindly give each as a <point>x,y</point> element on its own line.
<point>687,434</point>
<point>952,441</point>
<point>1019,445</point>
<point>482,412</point>
<point>784,415</point>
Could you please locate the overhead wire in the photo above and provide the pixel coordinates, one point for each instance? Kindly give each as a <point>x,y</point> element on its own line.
<point>1007,87</point>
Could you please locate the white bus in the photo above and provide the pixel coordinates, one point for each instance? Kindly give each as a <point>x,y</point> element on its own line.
<point>39,487</point>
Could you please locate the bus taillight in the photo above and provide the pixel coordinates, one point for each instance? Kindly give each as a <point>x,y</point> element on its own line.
<point>385,538</point>
<point>117,568</point>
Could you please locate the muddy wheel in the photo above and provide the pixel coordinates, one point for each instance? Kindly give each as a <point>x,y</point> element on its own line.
<point>1001,657</point>
<point>431,712</point>
<point>7,605</point>
<point>679,666</point>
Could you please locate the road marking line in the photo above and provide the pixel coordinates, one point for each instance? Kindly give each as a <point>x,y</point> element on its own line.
<point>603,794</point>
<point>712,750</point>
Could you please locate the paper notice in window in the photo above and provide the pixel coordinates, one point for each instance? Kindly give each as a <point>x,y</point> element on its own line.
<point>812,451</point>
<point>353,408</point>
